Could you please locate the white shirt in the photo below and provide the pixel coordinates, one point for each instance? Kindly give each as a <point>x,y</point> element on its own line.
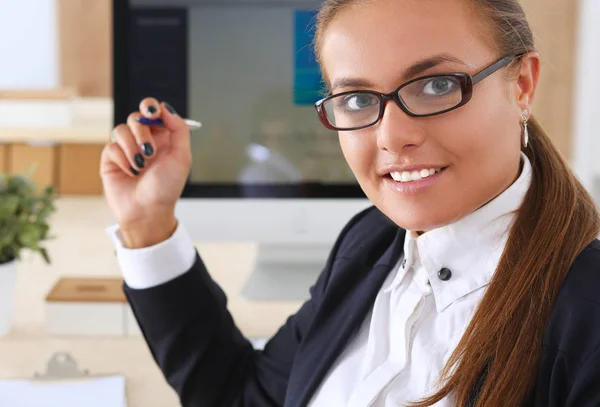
<point>417,319</point>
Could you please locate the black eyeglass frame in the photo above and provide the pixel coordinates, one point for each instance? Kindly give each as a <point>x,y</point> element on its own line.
<point>465,80</point>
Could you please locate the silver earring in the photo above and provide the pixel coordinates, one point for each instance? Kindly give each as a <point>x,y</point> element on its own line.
<point>525,140</point>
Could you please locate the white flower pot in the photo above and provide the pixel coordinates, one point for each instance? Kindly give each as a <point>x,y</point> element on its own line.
<point>8,280</point>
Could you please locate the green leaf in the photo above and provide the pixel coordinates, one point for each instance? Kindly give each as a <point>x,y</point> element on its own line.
<point>44,213</point>
<point>8,206</point>
<point>7,236</point>
<point>24,211</point>
<point>21,185</point>
<point>30,235</point>
<point>49,190</point>
<point>44,229</point>
<point>45,255</point>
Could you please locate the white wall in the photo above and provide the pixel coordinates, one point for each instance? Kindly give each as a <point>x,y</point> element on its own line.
<point>28,44</point>
<point>586,147</point>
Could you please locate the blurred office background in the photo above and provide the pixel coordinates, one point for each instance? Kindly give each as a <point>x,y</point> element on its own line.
<point>56,113</point>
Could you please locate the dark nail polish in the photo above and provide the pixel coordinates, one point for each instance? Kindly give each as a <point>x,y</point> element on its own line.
<point>134,171</point>
<point>170,108</point>
<point>152,109</point>
<point>139,160</point>
<point>147,149</point>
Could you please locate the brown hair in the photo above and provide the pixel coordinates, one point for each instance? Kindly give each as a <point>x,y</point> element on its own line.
<point>557,220</point>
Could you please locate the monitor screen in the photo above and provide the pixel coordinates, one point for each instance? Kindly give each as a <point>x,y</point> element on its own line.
<point>247,71</point>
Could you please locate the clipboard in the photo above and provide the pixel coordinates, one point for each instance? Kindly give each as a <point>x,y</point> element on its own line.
<point>64,384</point>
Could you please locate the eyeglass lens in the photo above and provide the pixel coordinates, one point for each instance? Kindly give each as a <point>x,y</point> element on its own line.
<point>422,97</point>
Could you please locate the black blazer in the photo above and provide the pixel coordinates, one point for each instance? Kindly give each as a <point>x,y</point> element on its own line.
<point>208,362</point>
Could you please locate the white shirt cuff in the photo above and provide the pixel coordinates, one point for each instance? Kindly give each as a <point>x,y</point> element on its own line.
<point>155,265</point>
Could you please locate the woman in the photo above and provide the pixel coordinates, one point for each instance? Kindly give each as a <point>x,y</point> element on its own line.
<point>472,281</point>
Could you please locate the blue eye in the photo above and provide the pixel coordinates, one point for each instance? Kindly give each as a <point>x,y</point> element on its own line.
<point>440,86</point>
<point>358,101</point>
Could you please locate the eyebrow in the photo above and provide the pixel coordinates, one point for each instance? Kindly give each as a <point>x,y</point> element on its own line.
<point>410,72</point>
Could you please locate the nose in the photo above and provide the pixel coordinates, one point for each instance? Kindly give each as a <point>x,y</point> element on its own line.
<point>397,132</point>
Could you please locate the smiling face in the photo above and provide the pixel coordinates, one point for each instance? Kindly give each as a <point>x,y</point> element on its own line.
<point>378,45</point>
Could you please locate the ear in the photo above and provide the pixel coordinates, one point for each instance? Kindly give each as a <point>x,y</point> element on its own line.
<point>527,80</point>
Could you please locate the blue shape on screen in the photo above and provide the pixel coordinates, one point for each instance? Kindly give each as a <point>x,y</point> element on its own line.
<point>308,83</point>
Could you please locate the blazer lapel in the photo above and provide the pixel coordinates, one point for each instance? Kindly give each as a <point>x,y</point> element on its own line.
<point>346,304</point>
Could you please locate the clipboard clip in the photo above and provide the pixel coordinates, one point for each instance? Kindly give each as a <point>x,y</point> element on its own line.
<point>62,366</point>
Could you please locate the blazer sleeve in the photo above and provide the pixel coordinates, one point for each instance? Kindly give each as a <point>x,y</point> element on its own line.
<point>203,355</point>
<point>585,391</point>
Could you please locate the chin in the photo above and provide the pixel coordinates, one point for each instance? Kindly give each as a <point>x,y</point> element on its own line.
<point>417,220</point>
<point>419,226</point>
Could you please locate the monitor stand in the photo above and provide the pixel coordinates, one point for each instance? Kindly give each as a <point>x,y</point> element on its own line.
<point>285,272</point>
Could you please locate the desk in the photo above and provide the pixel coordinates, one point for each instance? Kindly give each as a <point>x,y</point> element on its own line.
<point>81,248</point>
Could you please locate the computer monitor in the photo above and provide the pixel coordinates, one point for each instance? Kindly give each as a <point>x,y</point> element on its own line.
<point>264,169</point>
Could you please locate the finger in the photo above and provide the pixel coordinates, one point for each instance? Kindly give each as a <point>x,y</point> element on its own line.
<point>150,108</point>
<point>113,159</point>
<point>171,119</point>
<point>180,133</point>
<point>142,134</point>
<point>126,140</point>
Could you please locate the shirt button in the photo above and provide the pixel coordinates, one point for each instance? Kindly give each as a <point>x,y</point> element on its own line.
<point>404,263</point>
<point>445,274</point>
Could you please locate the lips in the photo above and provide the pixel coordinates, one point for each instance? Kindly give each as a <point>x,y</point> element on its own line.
<point>414,186</point>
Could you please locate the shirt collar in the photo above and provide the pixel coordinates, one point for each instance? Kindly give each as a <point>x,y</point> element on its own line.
<point>470,247</point>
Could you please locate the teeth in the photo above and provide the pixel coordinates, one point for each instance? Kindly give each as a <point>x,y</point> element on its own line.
<point>407,176</point>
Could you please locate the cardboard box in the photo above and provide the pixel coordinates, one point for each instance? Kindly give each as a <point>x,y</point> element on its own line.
<point>89,307</point>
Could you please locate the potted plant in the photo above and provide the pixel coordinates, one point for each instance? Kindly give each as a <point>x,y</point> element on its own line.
<point>24,213</point>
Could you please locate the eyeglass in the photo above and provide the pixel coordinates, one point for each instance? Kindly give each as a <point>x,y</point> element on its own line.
<point>421,97</point>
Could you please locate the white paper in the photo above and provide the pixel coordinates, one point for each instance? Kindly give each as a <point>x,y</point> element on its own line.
<point>89,392</point>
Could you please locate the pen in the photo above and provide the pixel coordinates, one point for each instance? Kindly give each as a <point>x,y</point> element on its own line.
<point>192,124</point>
